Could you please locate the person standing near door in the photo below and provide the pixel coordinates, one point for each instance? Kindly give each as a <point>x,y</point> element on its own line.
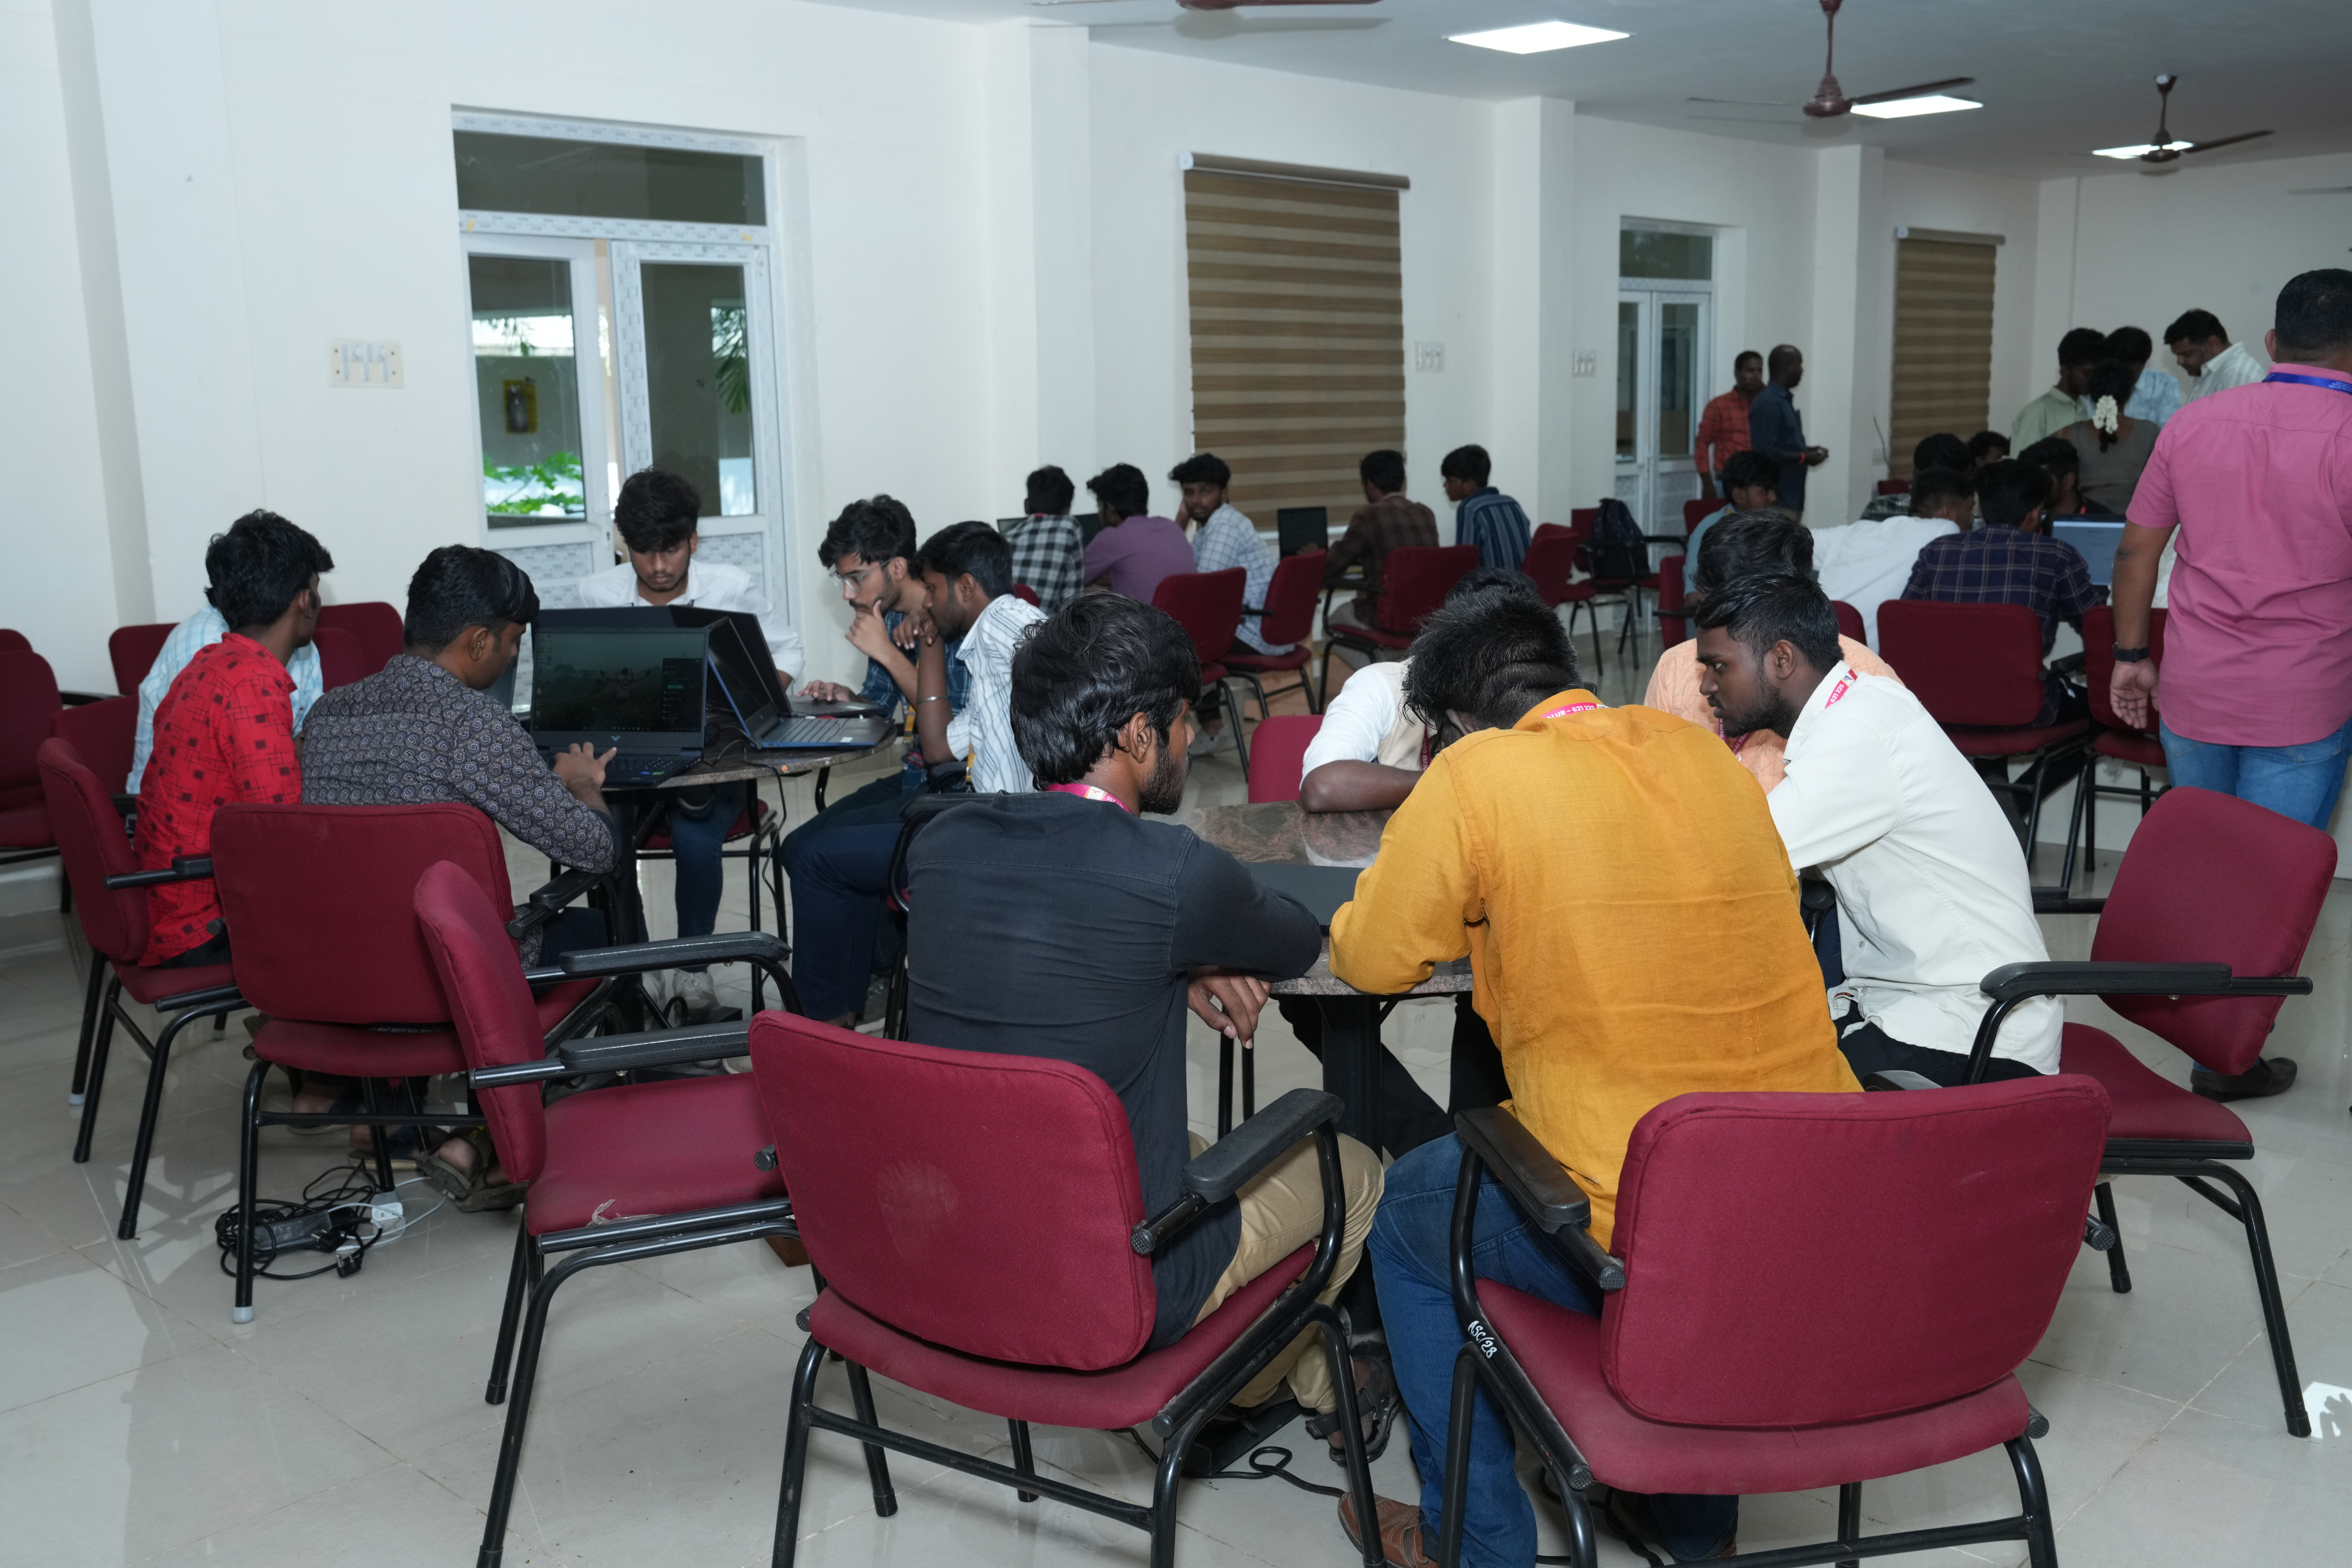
<point>2256,684</point>
<point>1775,429</point>
<point>1723,427</point>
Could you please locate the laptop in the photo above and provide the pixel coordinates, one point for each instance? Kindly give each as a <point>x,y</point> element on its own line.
<point>771,718</point>
<point>1303,528</point>
<point>2096,540</point>
<point>635,688</point>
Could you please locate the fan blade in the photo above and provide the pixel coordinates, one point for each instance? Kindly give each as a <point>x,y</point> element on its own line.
<point>2222,141</point>
<point>1751,102</point>
<point>1922,90</point>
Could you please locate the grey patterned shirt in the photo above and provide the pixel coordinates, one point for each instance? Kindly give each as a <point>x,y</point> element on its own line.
<point>414,734</point>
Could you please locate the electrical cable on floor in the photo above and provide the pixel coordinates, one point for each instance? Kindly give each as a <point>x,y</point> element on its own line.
<point>335,1215</point>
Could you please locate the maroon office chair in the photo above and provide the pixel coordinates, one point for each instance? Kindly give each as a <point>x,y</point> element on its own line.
<point>103,734</point>
<point>1550,561</point>
<point>340,659</point>
<point>1036,1302</point>
<point>1896,1257</point>
<point>759,830</point>
<point>1208,606</point>
<point>1414,581</point>
<point>1280,753</point>
<point>1849,620</point>
<point>1894,487</point>
<point>1976,668</point>
<point>1674,626</point>
<point>1027,594</point>
<point>132,650</point>
<point>1287,622</point>
<point>616,1174</point>
<point>375,631</point>
<point>1615,579</point>
<point>2197,943</point>
<point>110,900</point>
<point>1697,511</point>
<point>15,641</point>
<point>2111,738</point>
<point>30,706</point>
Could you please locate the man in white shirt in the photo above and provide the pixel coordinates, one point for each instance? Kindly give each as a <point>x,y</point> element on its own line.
<point>1931,886</point>
<point>2203,349</point>
<point>658,517</point>
<point>1868,562</point>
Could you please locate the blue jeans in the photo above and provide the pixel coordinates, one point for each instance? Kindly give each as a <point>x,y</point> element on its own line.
<point>838,861</point>
<point>1409,1252</point>
<point>2301,782</point>
<point>699,821</point>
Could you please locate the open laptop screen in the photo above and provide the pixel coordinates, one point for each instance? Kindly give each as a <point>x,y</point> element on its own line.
<point>2096,540</point>
<point>618,680</point>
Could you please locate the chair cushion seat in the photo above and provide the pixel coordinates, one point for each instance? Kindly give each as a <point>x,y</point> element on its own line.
<point>2130,746</point>
<point>1249,658</point>
<point>1212,673</point>
<point>746,823</point>
<point>146,985</point>
<point>25,827</point>
<point>1125,1396</point>
<point>1974,741</point>
<point>346,1050</point>
<point>1572,592</point>
<point>1560,1351</point>
<point>2141,1103</point>
<point>650,1149</point>
<point>1344,632</point>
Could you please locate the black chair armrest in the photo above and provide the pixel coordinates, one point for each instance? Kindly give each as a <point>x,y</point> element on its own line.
<point>545,903</point>
<point>1540,1186</point>
<point>1896,1078</point>
<point>183,869</point>
<point>674,952</point>
<point>2059,901</point>
<point>2072,663</point>
<point>1224,1167</point>
<point>618,1053</point>
<point>2017,982</point>
<point>219,998</point>
<point>79,698</point>
<point>124,805</point>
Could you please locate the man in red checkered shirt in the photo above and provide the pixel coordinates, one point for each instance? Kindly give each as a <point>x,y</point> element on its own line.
<point>225,729</point>
<point>1723,428</point>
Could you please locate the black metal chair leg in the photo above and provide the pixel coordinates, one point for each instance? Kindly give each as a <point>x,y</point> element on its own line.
<point>98,977</point>
<point>249,1173</point>
<point>149,1110</point>
<point>526,1372</point>
<point>2118,1271</point>
<point>1163,1501</point>
<point>1224,1084</point>
<point>1233,717</point>
<point>379,1137</point>
<point>108,1001</point>
<point>2266,1285</point>
<point>519,1282</point>
<point>2041,1547</point>
<point>2087,799</point>
<point>796,1438</point>
<point>1850,1520</point>
<point>1249,1082</point>
<point>878,1461</point>
<point>1021,1461</point>
<point>1455,1496</point>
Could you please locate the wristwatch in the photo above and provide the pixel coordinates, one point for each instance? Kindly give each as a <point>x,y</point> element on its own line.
<point>2129,654</point>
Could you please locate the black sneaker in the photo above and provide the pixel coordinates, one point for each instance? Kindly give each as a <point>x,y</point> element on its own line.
<point>1629,1514</point>
<point>2268,1076</point>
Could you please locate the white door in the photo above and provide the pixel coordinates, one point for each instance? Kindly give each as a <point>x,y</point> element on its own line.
<point>1664,345</point>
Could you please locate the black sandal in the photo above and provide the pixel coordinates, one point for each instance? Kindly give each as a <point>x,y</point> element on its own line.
<point>1378,1400</point>
<point>470,1192</point>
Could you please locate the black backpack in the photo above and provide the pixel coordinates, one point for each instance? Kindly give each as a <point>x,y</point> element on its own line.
<point>1619,551</point>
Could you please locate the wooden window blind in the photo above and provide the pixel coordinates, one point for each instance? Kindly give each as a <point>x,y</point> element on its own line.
<point>1943,343</point>
<point>1298,319</point>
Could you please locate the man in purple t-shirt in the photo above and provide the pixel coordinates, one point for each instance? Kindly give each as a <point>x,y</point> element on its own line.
<point>2256,687</point>
<point>1134,549</point>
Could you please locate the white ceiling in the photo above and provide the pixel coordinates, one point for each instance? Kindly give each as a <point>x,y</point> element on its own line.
<point>2057,77</point>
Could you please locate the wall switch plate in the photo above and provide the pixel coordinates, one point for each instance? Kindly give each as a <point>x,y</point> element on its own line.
<point>1588,363</point>
<point>354,362</point>
<point>1429,356</point>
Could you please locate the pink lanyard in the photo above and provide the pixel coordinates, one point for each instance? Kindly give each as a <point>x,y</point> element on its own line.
<point>1091,793</point>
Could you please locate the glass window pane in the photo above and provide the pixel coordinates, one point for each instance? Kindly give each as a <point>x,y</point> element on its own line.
<point>1629,374</point>
<point>606,179</point>
<point>699,383</point>
<point>1677,378</point>
<point>1647,253</point>
<point>526,385</point>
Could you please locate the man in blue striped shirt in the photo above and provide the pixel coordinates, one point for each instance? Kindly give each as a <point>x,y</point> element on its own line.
<point>1483,515</point>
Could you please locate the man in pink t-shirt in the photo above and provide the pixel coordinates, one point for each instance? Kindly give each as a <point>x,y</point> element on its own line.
<point>1134,549</point>
<point>2256,687</point>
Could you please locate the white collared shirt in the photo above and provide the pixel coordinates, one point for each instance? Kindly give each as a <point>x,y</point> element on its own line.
<point>712,586</point>
<point>983,733</point>
<point>1368,723</point>
<point>1931,886</point>
<point>2233,366</point>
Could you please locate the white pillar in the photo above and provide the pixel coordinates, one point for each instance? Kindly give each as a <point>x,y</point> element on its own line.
<point>1847,362</point>
<point>1535,153</point>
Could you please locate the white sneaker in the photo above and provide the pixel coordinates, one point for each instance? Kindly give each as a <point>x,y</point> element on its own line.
<point>1210,740</point>
<point>692,990</point>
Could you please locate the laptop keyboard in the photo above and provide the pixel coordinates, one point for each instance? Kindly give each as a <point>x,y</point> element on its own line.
<point>643,768</point>
<point>808,730</point>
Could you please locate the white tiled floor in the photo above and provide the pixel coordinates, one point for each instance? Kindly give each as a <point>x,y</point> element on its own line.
<point>346,1425</point>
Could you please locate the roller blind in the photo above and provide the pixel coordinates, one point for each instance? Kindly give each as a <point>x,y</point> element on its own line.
<point>1297,317</point>
<point>1943,343</point>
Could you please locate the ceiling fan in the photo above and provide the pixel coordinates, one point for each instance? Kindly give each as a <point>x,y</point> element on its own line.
<point>1829,101</point>
<point>2164,149</point>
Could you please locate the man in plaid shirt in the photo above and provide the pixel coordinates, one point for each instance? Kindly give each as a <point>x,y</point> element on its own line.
<point>2011,561</point>
<point>1047,548</point>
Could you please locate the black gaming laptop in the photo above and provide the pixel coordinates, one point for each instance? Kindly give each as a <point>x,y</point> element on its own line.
<point>637,689</point>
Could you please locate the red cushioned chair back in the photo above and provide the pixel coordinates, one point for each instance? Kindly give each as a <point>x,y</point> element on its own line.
<point>1277,751</point>
<point>339,660</point>
<point>133,651</point>
<point>374,628</point>
<point>2099,664</point>
<point>981,1202</point>
<point>474,969</point>
<point>1027,594</point>
<point>1207,604</point>
<point>1967,664</point>
<point>1697,511</point>
<point>1673,628</point>
<point>1415,580</point>
<point>318,903</point>
<point>1894,487</point>
<point>104,735</point>
<point>15,641</point>
<point>1291,597</point>
<point>2209,879</point>
<point>1550,560</point>
<point>29,709</point>
<point>1849,620</point>
<point>1582,520</point>
<point>1800,1259</point>
<point>93,846</point>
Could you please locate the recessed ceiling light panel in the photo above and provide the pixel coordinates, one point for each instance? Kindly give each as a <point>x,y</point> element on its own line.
<point>1538,38</point>
<point>1905,107</point>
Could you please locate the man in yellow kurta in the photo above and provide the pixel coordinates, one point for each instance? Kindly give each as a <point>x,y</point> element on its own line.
<point>1580,855</point>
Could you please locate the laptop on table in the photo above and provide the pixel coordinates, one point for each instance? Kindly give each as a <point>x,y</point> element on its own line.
<point>638,689</point>
<point>2096,540</point>
<point>771,719</point>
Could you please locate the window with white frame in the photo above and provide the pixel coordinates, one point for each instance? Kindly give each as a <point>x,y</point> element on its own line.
<point>623,317</point>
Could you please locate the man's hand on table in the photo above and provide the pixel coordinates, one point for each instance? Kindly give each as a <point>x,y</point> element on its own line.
<point>1241,996</point>
<point>829,691</point>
